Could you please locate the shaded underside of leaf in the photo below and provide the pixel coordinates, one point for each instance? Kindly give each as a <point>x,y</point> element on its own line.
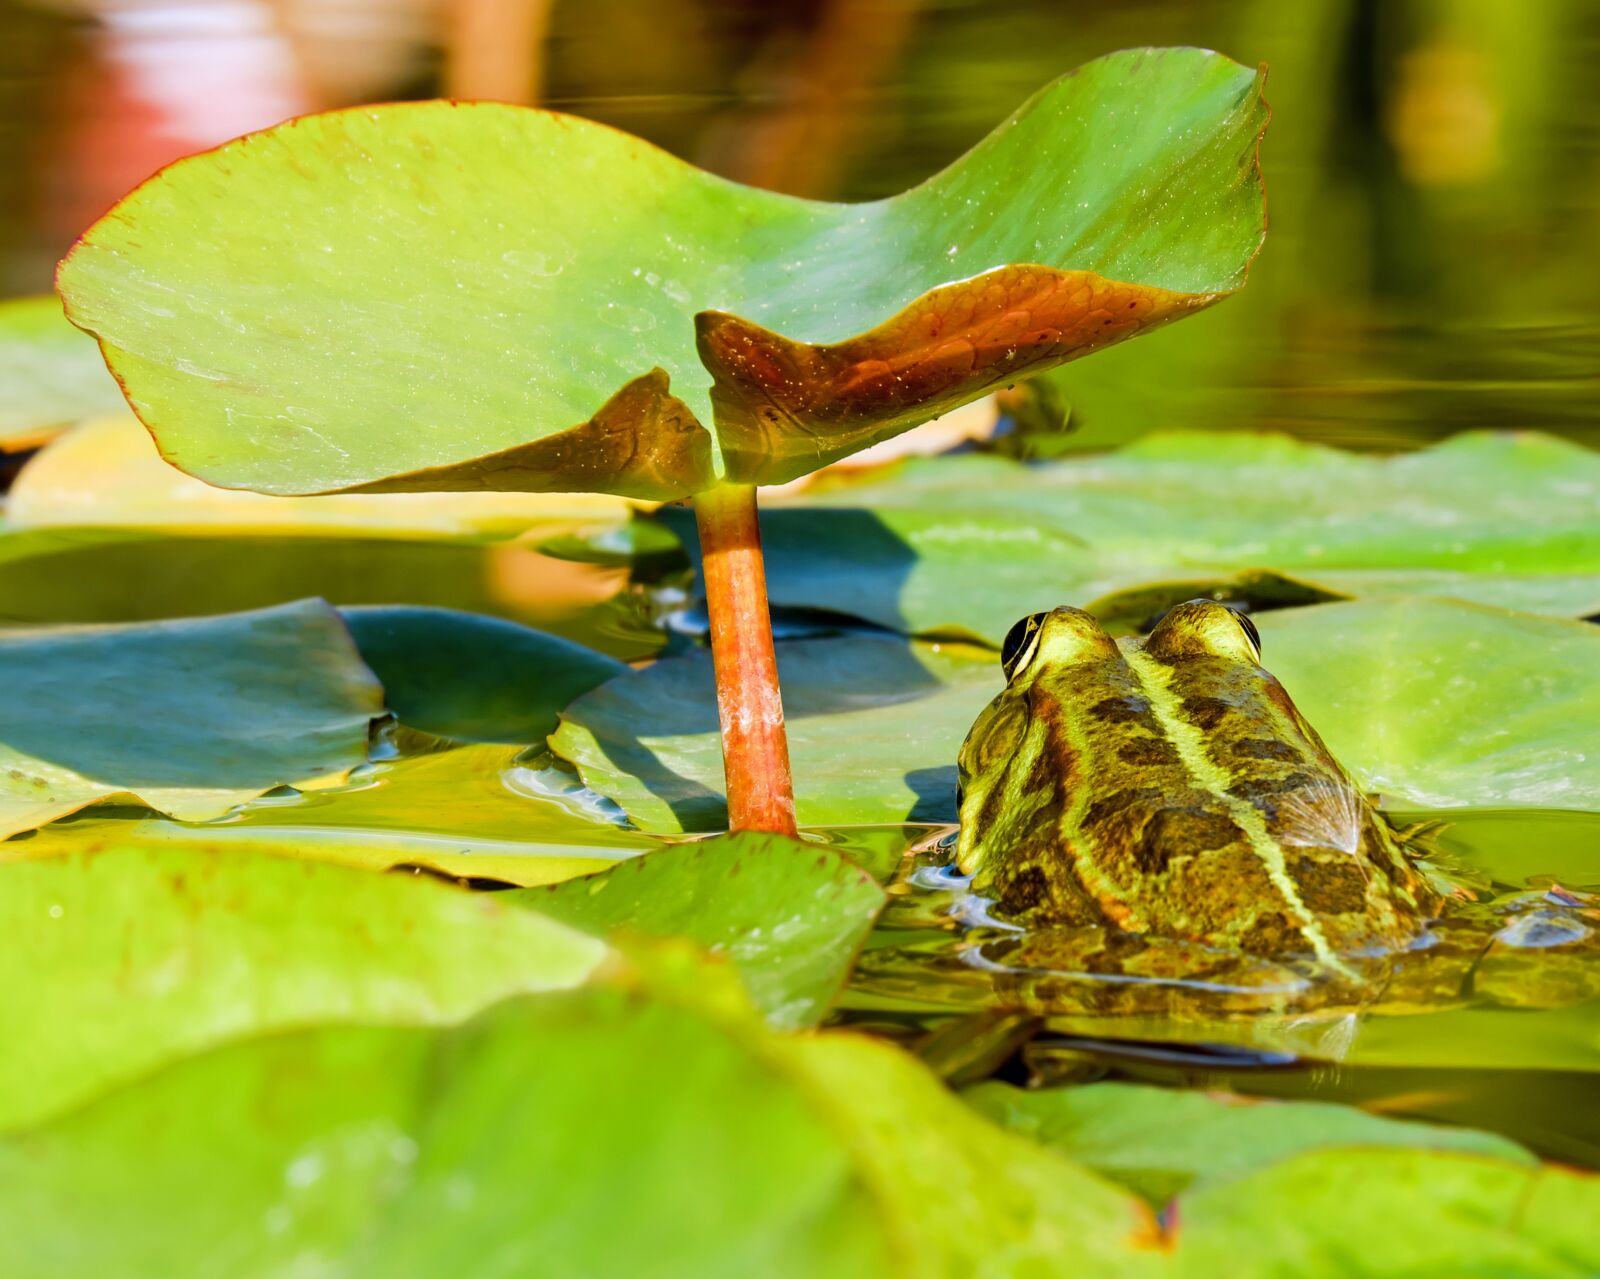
<point>543,333</point>
<point>790,916</point>
<point>50,376</point>
<point>192,716</point>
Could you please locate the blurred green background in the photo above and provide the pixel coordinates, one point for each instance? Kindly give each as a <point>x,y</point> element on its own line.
<point>1434,192</point>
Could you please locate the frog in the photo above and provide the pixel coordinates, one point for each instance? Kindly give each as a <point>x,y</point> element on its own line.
<point>1150,825</point>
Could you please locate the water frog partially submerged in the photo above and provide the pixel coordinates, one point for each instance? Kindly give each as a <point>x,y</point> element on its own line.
<point>1154,824</point>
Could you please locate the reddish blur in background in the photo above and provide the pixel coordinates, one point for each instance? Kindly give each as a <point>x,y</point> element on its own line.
<point>1433,167</point>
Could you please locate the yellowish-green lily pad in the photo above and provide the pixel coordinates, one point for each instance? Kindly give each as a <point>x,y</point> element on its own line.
<point>50,374</point>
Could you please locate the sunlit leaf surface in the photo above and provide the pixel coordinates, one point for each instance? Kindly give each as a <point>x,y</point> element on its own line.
<point>119,960</point>
<point>790,916</point>
<point>967,545</point>
<point>107,473</point>
<point>1431,703</point>
<point>1443,704</point>
<point>190,717</point>
<point>50,375</point>
<point>577,304</point>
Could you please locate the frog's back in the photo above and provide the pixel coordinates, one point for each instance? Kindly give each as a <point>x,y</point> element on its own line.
<point>1169,787</point>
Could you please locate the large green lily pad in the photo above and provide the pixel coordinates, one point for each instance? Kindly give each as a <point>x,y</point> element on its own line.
<point>420,1152</point>
<point>789,916</point>
<point>50,375</point>
<point>578,308</point>
<point>190,717</point>
<point>473,678</point>
<point>1431,703</point>
<point>1442,704</point>
<point>966,545</point>
<point>119,960</point>
<point>1161,1141</point>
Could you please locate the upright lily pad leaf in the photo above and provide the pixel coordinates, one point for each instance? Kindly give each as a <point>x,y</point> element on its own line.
<point>190,717</point>
<point>874,726</point>
<point>473,678</point>
<point>790,916</point>
<point>50,376</point>
<point>1443,704</point>
<point>1162,1141</point>
<point>106,473</point>
<point>559,275</point>
<point>121,960</point>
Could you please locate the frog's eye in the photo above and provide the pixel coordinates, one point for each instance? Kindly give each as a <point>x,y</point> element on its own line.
<point>1249,628</point>
<point>1020,641</point>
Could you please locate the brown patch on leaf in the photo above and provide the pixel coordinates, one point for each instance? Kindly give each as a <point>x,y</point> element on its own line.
<point>784,408</point>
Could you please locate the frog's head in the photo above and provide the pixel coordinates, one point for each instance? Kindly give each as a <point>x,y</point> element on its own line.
<point>1168,786</point>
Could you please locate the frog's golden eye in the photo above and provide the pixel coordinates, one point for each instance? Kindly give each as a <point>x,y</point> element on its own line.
<point>1249,628</point>
<point>1020,642</point>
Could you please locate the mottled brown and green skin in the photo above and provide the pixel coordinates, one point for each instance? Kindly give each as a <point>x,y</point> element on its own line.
<point>1157,811</point>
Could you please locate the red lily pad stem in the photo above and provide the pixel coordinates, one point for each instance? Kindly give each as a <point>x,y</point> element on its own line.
<point>755,748</point>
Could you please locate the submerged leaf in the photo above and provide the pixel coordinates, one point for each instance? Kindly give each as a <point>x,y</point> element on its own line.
<point>559,275</point>
<point>789,916</point>
<point>190,717</point>
<point>119,960</point>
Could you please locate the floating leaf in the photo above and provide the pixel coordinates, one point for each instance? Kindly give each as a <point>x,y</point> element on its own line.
<point>790,916</point>
<point>107,473</point>
<point>248,300</point>
<point>123,959</point>
<point>1161,1141</point>
<point>874,725</point>
<point>190,717</point>
<point>966,545</point>
<point>50,374</point>
<point>476,679</point>
<point>1431,703</point>
<point>1443,704</point>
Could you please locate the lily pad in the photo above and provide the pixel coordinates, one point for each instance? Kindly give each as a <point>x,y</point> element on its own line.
<point>1161,1142</point>
<point>966,545</point>
<point>120,960</point>
<point>189,717</point>
<point>473,678</point>
<point>578,307</point>
<point>50,375</point>
<point>790,916</point>
<point>1429,702</point>
<point>1443,704</point>
<point>107,473</point>
<point>874,724</point>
